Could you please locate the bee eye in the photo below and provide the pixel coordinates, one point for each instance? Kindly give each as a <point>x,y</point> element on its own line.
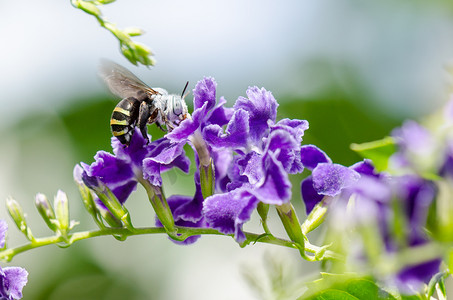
<point>177,110</point>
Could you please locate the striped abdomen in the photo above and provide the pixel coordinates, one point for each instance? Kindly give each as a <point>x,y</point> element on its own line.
<point>123,119</point>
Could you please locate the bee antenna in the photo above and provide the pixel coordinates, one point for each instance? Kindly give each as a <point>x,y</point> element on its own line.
<point>184,90</point>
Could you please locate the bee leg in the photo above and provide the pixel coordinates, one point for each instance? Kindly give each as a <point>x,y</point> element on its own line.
<point>143,116</point>
<point>167,123</point>
<point>160,126</point>
<point>154,118</point>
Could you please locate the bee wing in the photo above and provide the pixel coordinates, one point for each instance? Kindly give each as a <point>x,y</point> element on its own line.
<point>122,82</point>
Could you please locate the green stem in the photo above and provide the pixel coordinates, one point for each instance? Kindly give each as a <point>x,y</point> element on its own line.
<point>207,180</point>
<point>161,208</point>
<point>8,254</point>
<point>292,226</point>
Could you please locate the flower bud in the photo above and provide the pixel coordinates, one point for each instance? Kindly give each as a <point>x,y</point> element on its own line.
<point>263,210</point>
<point>87,197</point>
<point>133,31</point>
<point>62,212</point>
<point>88,7</point>
<point>17,214</point>
<point>315,218</point>
<point>93,183</point>
<point>110,219</point>
<point>117,210</point>
<point>129,54</point>
<point>45,210</point>
<point>141,50</point>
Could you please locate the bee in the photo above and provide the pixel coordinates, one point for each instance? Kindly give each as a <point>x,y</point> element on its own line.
<point>141,105</point>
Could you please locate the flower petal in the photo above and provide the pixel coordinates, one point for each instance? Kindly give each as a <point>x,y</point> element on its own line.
<point>181,162</point>
<point>191,210</point>
<point>365,167</point>
<point>251,165</point>
<point>123,191</point>
<point>220,115</point>
<point>3,231</point>
<point>135,152</point>
<point>181,203</point>
<point>414,138</point>
<point>236,133</point>
<point>164,151</point>
<point>309,194</point>
<point>287,150</point>
<point>329,179</point>
<point>151,172</point>
<point>14,280</point>
<point>205,92</point>
<point>188,126</point>
<point>294,127</point>
<point>412,279</point>
<point>228,212</point>
<point>262,107</point>
<point>311,156</point>
<point>109,169</point>
<point>276,187</point>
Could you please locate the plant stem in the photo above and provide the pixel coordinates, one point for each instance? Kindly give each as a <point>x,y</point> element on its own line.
<point>8,254</point>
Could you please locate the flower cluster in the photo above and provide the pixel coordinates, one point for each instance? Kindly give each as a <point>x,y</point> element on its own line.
<point>252,153</point>
<point>244,158</point>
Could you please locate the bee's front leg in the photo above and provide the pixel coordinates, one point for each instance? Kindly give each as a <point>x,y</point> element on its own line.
<point>167,123</point>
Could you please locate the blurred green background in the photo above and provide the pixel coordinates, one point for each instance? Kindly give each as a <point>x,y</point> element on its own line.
<point>353,69</point>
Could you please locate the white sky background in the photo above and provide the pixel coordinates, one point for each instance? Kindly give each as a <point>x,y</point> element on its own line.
<point>50,50</point>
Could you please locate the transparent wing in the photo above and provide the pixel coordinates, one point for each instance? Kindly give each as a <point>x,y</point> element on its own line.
<point>122,82</point>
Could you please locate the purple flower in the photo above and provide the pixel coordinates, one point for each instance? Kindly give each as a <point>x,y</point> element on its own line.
<point>327,178</point>
<point>255,155</point>
<point>12,279</point>
<point>253,177</point>
<point>122,170</point>
<point>330,179</point>
<point>229,211</point>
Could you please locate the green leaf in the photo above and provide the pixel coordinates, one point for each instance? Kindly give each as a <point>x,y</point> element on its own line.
<point>378,151</point>
<point>344,286</point>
